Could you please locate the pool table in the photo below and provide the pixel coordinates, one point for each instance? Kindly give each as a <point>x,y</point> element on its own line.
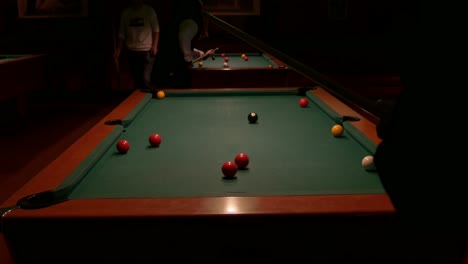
<point>172,202</point>
<point>260,70</point>
<point>19,75</point>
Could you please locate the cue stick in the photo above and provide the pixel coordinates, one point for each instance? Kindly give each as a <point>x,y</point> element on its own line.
<point>208,53</point>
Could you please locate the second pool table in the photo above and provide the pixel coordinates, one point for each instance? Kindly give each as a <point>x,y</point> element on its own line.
<point>21,74</point>
<point>171,203</point>
<point>260,70</point>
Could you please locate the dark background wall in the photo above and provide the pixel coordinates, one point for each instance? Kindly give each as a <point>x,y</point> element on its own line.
<point>80,49</point>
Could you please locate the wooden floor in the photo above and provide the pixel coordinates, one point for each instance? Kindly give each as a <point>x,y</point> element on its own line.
<point>52,124</point>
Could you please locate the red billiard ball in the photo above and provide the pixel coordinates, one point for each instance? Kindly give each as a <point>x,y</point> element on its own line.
<point>246,58</point>
<point>242,160</point>
<point>222,55</point>
<point>303,102</point>
<point>123,146</point>
<point>229,169</point>
<point>226,59</point>
<point>155,140</point>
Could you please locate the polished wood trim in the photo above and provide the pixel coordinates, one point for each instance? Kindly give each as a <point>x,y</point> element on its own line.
<point>195,68</point>
<point>278,62</point>
<point>52,175</point>
<point>215,206</point>
<point>366,126</point>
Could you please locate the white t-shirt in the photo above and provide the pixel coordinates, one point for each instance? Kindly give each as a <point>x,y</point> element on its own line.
<point>137,27</point>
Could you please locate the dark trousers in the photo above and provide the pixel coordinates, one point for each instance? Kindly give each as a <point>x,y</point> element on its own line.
<point>171,70</point>
<point>141,65</point>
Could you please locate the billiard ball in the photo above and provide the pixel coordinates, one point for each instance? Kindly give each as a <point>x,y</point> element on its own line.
<point>226,59</point>
<point>252,117</point>
<point>270,66</point>
<point>246,58</point>
<point>303,102</point>
<point>337,130</point>
<point>226,65</point>
<point>123,146</point>
<point>243,55</point>
<point>229,169</point>
<point>213,57</point>
<point>222,55</point>
<point>200,64</point>
<point>160,94</point>
<point>155,140</point>
<point>368,163</point>
<point>241,160</point>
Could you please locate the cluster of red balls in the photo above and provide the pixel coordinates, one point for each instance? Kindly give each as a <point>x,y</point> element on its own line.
<point>229,168</point>
<point>123,146</point>
<point>240,163</point>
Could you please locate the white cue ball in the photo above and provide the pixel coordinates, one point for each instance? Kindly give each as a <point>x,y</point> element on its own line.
<point>368,163</point>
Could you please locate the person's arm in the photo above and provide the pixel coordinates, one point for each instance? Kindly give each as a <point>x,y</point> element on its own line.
<point>118,49</point>
<point>204,34</point>
<point>205,22</point>
<point>154,21</point>
<point>154,48</point>
<point>120,39</point>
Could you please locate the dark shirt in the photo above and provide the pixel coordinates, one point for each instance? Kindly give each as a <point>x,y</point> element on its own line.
<point>170,59</point>
<point>188,9</point>
<point>181,10</point>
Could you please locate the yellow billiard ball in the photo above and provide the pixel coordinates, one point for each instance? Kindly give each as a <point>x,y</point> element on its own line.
<point>160,94</point>
<point>243,55</point>
<point>270,66</point>
<point>337,130</point>
<point>200,64</point>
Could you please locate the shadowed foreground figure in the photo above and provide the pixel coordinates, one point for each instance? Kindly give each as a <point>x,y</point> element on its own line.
<point>177,50</point>
<point>139,35</point>
<point>420,161</point>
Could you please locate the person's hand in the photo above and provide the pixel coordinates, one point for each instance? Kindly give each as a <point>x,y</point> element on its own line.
<point>154,51</point>
<point>203,36</point>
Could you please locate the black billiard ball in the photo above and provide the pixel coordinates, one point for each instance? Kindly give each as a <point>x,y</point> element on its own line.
<point>213,57</point>
<point>253,117</point>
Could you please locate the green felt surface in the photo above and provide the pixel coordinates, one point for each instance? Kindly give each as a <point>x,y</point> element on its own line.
<point>4,58</point>
<point>291,149</point>
<point>235,61</point>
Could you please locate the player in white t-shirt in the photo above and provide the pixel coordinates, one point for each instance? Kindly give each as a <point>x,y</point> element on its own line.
<point>139,34</point>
